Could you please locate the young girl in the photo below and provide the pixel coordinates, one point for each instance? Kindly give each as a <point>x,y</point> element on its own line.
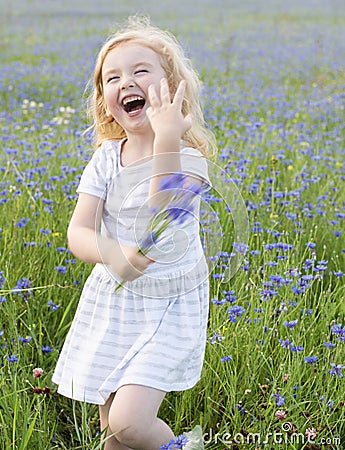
<point>128,347</point>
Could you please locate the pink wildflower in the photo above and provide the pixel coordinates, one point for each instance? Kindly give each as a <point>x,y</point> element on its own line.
<point>311,434</point>
<point>38,372</point>
<point>280,414</point>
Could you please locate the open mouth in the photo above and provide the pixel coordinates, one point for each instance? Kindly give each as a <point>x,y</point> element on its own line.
<point>133,104</point>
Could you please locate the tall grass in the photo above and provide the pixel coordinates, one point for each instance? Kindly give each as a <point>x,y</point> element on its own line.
<point>273,94</point>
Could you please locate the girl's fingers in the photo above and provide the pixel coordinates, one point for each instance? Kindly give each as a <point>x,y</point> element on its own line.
<point>179,94</point>
<point>153,97</point>
<point>165,92</point>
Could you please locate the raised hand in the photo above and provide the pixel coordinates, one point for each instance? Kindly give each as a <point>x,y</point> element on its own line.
<point>166,116</point>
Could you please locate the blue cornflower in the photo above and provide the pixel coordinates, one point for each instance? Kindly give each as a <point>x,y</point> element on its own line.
<point>308,263</point>
<point>225,358</point>
<point>167,446</point>
<point>285,343</point>
<point>339,330</point>
<point>53,306</point>
<point>25,340</point>
<point>22,222</point>
<point>290,324</point>
<point>296,348</point>
<point>2,278</point>
<point>320,267</point>
<point>240,407</point>
<point>330,344</point>
<point>310,359</point>
<point>310,244</point>
<point>61,269</point>
<point>47,349</point>
<point>172,181</point>
<point>149,241</point>
<point>216,337</point>
<point>45,231</point>
<point>336,369</point>
<point>339,273</point>
<point>2,299</point>
<point>267,293</point>
<point>240,247</point>
<point>235,311</point>
<point>179,211</point>
<point>12,359</point>
<point>215,301</point>
<point>180,441</point>
<point>280,399</point>
<point>22,283</point>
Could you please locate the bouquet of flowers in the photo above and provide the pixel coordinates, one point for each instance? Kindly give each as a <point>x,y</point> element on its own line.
<point>178,192</point>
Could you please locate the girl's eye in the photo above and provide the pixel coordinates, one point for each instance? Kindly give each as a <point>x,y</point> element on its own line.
<point>113,78</point>
<point>141,71</point>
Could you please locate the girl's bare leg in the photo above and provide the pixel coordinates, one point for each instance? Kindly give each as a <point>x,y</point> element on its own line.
<point>111,443</point>
<point>132,417</point>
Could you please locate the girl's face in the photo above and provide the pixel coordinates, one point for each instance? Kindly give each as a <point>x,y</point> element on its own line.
<point>128,71</point>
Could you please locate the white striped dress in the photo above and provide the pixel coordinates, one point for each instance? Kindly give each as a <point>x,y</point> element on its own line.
<point>152,331</point>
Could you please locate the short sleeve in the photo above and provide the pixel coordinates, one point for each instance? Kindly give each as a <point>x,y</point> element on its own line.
<point>94,179</point>
<point>194,163</point>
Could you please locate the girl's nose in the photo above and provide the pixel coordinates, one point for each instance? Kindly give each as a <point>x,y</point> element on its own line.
<point>127,83</point>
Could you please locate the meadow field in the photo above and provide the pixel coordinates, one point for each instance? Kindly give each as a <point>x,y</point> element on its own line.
<point>273,92</point>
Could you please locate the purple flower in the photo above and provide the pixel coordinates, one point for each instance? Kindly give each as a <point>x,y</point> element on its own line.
<point>339,273</point>
<point>149,241</point>
<point>290,324</point>
<point>47,349</point>
<point>285,343</point>
<point>226,358</point>
<point>310,359</point>
<point>167,446</point>
<point>180,441</point>
<point>336,369</point>
<point>296,348</point>
<point>235,311</point>
<point>179,211</point>
<point>172,181</point>
<point>53,306</point>
<point>338,329</point>
<point>25,340</point>
<point>22,222</point>
<point>216,337</point>
<point>280,399</point>
<point>12,359</point>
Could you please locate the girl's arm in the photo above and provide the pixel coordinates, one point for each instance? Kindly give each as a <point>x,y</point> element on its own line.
<point>87,244</point>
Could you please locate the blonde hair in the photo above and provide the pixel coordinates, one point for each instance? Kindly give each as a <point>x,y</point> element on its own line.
<point>177,67</point>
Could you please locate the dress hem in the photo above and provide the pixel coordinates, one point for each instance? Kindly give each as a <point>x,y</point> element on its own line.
<point>177,387</point>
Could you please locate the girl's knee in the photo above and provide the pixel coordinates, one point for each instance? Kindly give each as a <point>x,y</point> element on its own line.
<point>127,431</point>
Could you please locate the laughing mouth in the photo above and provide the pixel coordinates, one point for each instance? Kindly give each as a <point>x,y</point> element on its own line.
<point>133,103</point>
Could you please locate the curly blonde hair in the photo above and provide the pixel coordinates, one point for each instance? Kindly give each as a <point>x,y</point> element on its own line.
<point>177,67</point>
